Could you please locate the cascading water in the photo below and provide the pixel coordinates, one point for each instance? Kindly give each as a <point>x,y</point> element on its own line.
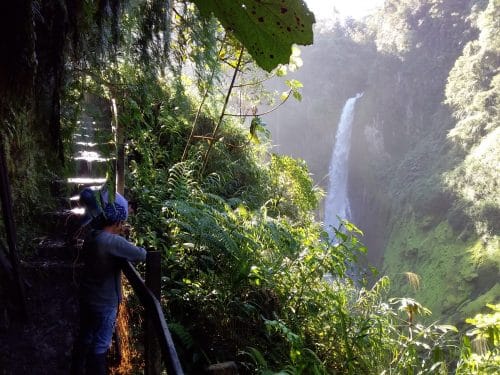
<point>337,201</point>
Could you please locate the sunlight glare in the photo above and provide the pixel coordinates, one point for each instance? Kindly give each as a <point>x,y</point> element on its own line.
<point>324,9</point>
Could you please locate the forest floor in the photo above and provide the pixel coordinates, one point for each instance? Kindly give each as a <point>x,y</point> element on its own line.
<point>42,344</point>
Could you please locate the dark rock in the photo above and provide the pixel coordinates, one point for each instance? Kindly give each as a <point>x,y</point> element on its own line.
<point>224,368</point>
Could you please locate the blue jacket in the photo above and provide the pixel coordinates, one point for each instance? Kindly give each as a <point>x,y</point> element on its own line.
<point>102,254</point>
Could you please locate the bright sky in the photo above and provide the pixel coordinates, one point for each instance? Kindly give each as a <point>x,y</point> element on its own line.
<point>354,8</point>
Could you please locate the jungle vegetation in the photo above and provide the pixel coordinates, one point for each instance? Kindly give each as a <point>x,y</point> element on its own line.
<point>249,273</point>
<point>424,167</point>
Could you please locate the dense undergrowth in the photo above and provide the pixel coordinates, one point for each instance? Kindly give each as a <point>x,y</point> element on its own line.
<point>248,273</point>
<point>250,276</point>
<point>446,206</point>
<point>424,160</point>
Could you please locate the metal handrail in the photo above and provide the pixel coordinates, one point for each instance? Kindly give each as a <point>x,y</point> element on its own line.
<point>155,312</point>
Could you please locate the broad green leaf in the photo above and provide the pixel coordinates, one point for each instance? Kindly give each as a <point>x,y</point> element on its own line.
<point>297,95</point>
<point>267,28</point>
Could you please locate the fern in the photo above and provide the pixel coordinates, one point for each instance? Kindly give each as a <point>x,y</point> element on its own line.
<point>257,357</point>
<point>181,183</point>
<point>182,333</point>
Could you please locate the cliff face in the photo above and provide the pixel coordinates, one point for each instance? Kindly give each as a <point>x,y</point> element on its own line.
<point>402,124</point>
<point>423,167</point>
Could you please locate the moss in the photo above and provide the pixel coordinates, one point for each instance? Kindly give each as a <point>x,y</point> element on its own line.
<point>31,179</point>
<point>450,269</point>
<point>486,250</point>
<point>472,307</point>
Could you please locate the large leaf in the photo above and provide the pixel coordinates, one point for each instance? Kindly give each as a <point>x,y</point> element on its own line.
<point>267,28</point>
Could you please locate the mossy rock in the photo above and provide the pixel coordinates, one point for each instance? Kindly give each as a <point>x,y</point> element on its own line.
<point>472,307</point>
<point>451,271</point>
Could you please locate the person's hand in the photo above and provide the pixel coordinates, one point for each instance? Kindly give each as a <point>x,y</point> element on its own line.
<point>125,230</point>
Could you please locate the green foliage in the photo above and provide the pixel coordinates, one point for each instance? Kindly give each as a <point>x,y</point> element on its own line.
<point>268,29</point>
<point>442,261</point>
<point>472,92</point>
<point>291,188</point>
<point>256,127</point>
<point>480,348</point>
<point>248,273</point>
<point>294,87</point>
<point>30,176</point>
<point>224,254</point>
<point>232,270</point>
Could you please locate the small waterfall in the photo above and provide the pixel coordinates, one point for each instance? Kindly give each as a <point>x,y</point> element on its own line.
<point>337,201</point>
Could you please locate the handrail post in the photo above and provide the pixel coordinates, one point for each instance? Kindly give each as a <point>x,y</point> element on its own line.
<point>152,350</point>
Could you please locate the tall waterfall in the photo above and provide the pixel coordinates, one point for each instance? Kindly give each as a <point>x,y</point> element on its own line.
<point>337,201</point>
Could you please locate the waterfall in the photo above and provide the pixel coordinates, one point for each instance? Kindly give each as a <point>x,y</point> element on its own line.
<point>337,201</point>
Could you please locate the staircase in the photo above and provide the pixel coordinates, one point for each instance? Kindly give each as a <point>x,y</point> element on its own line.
<point>43,344</point>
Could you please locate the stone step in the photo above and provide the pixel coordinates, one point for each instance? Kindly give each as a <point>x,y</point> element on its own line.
<point>64,224</point>
<point>75,187</point>
<point>66,203</point>
<point>91,169</point>
<point>86,181</point>
<point>58,250</point>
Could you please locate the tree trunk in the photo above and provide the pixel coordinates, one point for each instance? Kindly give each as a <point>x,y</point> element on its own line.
<point>120,150</point>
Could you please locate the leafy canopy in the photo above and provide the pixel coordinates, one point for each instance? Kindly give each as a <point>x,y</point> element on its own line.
<point>267,29</point>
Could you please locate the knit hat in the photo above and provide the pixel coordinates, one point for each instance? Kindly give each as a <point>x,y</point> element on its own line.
<point>118,199</point>
<point>114,212</point>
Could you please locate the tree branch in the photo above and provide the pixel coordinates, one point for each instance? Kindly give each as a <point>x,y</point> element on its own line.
<point>214,133</point>
<point>263,113</point>
<point>205,95</point>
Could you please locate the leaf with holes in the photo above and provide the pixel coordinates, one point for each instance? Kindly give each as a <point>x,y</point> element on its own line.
<point>267,28</point>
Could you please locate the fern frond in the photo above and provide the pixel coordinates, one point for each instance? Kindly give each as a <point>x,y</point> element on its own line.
<point>182,333</point>
<point>181,183</point>
<point>257,357</point>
